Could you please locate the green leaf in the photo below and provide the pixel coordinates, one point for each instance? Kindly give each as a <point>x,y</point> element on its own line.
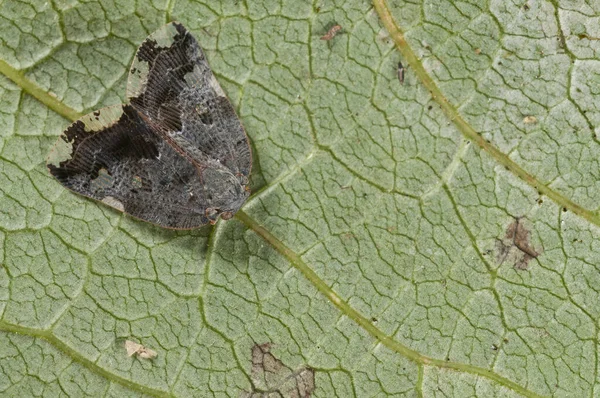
<point>430,238</point>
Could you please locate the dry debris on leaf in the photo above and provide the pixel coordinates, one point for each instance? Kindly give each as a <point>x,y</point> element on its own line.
<point>332,32</point>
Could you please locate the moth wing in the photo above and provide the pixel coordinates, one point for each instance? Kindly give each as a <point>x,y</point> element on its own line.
<point>113,156</point>
<point>172,85</point>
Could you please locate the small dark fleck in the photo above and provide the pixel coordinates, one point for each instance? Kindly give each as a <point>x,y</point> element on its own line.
<point>401,72</point>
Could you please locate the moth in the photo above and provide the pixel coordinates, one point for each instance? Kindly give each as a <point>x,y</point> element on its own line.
<point>176,155</point>
<point>139,350</point>
<point>331,33</point>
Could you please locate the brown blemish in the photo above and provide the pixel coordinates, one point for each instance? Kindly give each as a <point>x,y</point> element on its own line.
<point>271,377</point>
<point>348,236</point>
<point>585,36</point>
<point>401,71</point>
<point>516,247</point>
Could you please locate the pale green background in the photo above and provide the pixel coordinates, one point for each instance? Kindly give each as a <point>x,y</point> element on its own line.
<point>367,180</point>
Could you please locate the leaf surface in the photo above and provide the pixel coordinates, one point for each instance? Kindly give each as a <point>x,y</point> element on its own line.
<point>434,237</point>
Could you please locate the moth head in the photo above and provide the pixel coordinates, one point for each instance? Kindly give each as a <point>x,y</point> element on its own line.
<point>227,194</point>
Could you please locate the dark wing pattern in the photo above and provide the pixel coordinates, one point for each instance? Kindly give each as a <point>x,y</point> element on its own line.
<point>112,156</point>
<point>171,83</point>
<point>176,156</point>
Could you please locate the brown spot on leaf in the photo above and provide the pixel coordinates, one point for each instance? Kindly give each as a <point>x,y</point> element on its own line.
<point>515,248</point>
<point>585,36</point>
<point>272,378</point>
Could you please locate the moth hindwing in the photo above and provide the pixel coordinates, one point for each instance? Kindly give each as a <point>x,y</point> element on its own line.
<point>176,155</point>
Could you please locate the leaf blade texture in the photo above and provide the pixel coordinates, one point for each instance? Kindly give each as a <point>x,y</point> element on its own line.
<point>431,238</point>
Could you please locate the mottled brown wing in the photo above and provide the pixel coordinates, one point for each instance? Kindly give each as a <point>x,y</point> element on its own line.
<point>176,156</point>
<point>113,156</point>
<point>172,85</point>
